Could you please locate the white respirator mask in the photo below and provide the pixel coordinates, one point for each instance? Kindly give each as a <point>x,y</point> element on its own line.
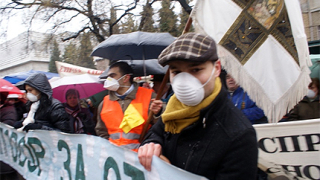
<point>112,84</point>
<point>32,97</point>
<point>311,94</point>
<point>188,89</point>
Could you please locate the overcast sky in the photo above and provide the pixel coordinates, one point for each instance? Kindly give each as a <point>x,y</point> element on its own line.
<point>16,26</point>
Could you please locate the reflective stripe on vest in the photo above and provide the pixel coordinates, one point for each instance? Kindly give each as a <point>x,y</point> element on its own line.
<point>112,115</point>
<point>132,136</point>
<point>131,146</point>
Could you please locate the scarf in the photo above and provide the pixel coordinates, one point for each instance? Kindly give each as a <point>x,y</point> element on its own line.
<point>30,117</point>
<point>77,124</point>
<point>178,116</point>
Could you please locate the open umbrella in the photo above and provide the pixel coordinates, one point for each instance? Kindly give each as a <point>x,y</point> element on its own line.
<point>21,76</point>
<point>142,68</point>
<point>6,86</point>
<point>315,68</point>
<point>133,46</point>
<point>86,84</point>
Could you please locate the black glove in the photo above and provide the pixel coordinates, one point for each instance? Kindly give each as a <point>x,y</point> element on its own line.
<point>32,126</point>
<point>17,124</point>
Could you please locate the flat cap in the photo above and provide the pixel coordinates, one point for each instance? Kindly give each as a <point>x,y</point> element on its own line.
<point>190,47</point>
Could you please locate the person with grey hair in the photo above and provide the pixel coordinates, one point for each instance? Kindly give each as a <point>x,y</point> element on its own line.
<point>200,131</point>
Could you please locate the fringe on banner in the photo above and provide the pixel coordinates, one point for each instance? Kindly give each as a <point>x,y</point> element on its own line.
<point>273,110</point>
<point>298,33</point>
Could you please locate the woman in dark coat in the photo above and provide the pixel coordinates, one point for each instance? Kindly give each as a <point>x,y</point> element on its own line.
<point>80,117</point>
<point>45,112</point>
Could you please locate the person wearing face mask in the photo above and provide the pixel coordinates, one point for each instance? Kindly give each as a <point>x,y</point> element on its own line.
<point>309,106</point>
<point>122,114</point>
<point>201,131</point>
<point>44,112</point>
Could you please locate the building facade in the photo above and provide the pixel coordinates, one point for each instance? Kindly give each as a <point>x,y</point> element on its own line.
<point>31,51</point>
<point>311,18</point>
<point>27,51</point>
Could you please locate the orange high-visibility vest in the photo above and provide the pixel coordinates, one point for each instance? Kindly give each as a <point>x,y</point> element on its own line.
<point>112,115</point>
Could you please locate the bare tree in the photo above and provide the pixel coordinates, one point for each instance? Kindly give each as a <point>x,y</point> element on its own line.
<point>94,15</point>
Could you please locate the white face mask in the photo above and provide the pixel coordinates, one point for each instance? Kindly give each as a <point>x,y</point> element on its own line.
<point>311,94</point>
<point>32,97</point>
<point>188,88</point>
<point>112,84</point>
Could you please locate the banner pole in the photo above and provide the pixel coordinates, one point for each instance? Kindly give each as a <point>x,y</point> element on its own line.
<point>163,83</point>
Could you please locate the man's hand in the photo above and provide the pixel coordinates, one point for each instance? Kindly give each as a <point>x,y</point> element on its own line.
<point>146,85</point>
<point>146,152</point>
<point>155,106</point>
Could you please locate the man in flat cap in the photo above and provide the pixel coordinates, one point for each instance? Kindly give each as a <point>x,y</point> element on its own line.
<point>200,131</point>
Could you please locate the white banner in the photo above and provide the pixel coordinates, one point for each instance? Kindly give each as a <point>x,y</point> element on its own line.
<point>262,44</point>
<point>290,149</point>
<point>58,156</point>
<point>65,69</point>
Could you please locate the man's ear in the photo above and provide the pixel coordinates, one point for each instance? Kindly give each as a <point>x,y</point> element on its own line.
<point>126,78</point>
<point>217,66</point>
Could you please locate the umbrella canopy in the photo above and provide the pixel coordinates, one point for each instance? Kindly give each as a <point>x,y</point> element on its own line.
<point>136,45</point>
<point>315,68</point>
<point>6,86</point>
<point>142,68</point>
<point>21,76</point>
<point>86,84</point>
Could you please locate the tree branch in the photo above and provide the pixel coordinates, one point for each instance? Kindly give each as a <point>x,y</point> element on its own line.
<point>185,6</point>
<point>66,21</point>
<point>76,35</point>
<point>125,13</point>
<point>47,10</point>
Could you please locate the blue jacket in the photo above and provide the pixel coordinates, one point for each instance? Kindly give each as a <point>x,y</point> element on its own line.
<point>243,102</point>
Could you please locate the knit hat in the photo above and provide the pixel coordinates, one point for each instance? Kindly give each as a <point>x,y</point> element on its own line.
<point>190,47</point>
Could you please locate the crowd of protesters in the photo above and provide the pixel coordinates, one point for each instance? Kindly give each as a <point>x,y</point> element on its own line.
<point>202,123</point>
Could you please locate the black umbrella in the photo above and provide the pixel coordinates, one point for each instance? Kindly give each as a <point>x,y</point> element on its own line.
<point>141,68</point>
<point>136,45</point>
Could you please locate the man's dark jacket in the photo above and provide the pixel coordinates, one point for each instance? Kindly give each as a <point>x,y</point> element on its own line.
<point>221,145</point>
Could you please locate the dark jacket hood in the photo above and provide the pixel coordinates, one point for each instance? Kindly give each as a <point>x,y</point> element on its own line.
<point>40,82</point>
